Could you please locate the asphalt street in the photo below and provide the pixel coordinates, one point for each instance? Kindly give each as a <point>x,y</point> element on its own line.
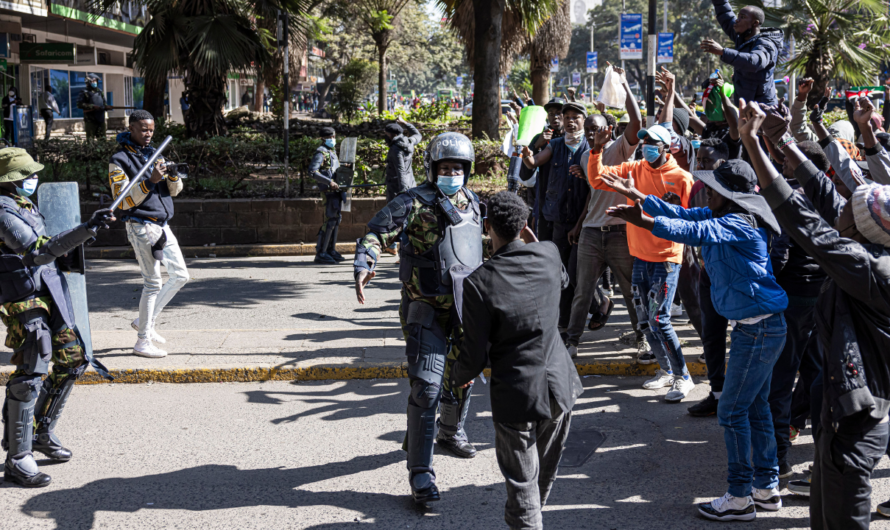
<point>326,455</point>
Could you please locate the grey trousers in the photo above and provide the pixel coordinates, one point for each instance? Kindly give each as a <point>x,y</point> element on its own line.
<point>528,455</point>
<point>596,250</point>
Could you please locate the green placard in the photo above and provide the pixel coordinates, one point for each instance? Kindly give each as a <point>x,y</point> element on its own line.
<point>2,65</point>
<point>47,52</point>
<point>94,19</point>
<point>392,85</point>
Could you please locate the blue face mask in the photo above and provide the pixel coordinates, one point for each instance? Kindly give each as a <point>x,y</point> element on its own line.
<point>650,153</point>
<point>330,142</point>
<point>450,185</point>
<point>28,188</point>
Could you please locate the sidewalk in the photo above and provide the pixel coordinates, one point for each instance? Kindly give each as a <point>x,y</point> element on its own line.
<point>285,318</point>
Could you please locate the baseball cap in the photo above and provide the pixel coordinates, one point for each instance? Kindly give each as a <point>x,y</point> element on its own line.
<point>656,132</point>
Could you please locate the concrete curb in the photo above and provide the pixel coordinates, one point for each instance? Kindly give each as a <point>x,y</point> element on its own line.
<point>220,251</point>
<point>327,373</point>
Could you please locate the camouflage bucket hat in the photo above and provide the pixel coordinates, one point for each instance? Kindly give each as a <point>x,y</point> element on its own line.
<point>16,164</point>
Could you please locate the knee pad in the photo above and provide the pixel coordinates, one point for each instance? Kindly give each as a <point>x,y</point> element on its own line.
<point>37,350</point>
<point>25,388</point>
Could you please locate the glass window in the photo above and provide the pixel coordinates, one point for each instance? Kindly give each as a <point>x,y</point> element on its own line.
<point>59,81</point>
<point>78,82</point>
<point>138,92</point>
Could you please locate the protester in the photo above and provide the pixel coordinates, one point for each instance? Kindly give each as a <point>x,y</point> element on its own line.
<point>756,53</point>
<point>601,240</point>
<point>399,159</point>
<point>734,232</point>
<point>657,261</point>
<point>428,313</point>
<point>92,102</point>
<point>544,224</point>
<point>565,198</point>
<point>47,105</point>
<point>510,307</point>
<point>853,313</point>
<point>323,168</point>
<point>148,209</point>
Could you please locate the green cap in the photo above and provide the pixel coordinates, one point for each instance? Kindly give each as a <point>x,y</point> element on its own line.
<point>16,164</point>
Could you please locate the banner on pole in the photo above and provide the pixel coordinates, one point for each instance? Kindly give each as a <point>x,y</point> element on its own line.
<point>554,65</point>
<point>576,78</point>
<point>631,36</point>
<point>591,62</point>
<point>665,48</point>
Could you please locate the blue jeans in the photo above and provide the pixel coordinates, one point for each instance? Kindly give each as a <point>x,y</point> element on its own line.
<point>654,285</point>
<point>744,410</point>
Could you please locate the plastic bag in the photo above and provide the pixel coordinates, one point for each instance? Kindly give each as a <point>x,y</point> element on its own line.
<point>612,94</point>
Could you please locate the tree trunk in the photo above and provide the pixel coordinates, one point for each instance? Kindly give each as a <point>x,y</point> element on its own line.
<point>381,76</point>
<point>207,97</point>
<point>489,15</point>
<point>153,98</point>
<point>540,77</point>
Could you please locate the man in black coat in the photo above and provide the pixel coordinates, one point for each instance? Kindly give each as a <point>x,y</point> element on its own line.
<point>509,311</point>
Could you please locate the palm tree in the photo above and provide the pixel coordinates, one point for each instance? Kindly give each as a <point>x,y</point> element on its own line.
<point>551,40</point>
<point>204,40</point>
<point>493,32</point>
<point>834,38</point>
<point>378,16</point>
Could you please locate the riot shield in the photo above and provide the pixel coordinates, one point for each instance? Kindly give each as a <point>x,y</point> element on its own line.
<point>346,172</point>
<point>60,205</point>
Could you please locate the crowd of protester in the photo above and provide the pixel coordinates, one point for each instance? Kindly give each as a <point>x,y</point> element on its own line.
<point>767,224</point>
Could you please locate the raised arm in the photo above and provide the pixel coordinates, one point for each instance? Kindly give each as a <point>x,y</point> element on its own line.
<point>725,17</point>
<point>666,79</point>
<point>759,58</point>
<point>632,107</point>
<point>730,112</point>
<point>875,154</point>
<point>532,161</point>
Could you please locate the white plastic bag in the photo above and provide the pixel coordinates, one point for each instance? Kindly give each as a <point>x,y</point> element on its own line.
<point>612,93</point>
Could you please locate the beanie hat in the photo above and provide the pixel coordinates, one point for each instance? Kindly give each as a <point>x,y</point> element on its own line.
<point>871,212</point>
<point>681,116</point>
<point>16,164</point>
<point>393,128</point>
<point>326,132</point>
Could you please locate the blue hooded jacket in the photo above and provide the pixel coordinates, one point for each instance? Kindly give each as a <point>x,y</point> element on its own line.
<point>736,257</point>
<point>753,60</point>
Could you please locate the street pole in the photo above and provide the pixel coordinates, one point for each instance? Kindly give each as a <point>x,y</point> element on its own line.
<point>286,37</point>
<point>792,89</point>
<point>650,68</point>
<point>623,11</point>
<point>592,29</point>
<point>664,25</point>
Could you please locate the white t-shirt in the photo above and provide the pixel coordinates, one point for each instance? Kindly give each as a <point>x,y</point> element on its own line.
<point>614,154</point>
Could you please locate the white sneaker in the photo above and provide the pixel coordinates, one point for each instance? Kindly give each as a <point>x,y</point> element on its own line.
<point>767,499</point>
<point>676,310</point>
<point>661,380</point>
<point>573,350</point>
<point>701,359</point>
<point>680,389</point>
<point>144,348</point>
<point>152,334</point>
<point>729,508</point>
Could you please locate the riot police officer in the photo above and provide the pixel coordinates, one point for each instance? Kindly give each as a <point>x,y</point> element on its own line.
<point>439,224</point>
<point>36,308</point>
<point>323,167</point>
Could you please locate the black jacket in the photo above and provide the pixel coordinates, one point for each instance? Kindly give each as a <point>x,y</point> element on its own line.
<point>399,158</point>
<point>796,272</point>
<point>145,201</point>
<point>512,303</point>
<point>853,310</point>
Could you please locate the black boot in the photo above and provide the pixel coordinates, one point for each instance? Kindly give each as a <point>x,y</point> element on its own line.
<point>20,467</point>
<point>324,239</point>
<point>332,248</point>
<point>421,432</point>
<point>705,407</point>
<point>452,415</point>
<point>50,403</point>
<point>48,444</point>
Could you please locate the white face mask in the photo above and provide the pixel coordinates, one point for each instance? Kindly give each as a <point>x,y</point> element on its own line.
<point>574,138</point>
<point>11,93</point>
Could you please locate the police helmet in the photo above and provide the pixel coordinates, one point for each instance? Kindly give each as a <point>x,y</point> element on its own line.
<point>448,146</point>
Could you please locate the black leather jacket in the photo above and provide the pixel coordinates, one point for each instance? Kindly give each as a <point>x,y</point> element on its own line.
<point>853,311</point>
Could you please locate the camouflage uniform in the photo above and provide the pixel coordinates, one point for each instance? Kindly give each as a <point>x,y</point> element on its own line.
<point>418,226</point>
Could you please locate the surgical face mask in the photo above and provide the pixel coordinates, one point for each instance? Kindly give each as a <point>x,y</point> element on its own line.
<point>29,186</point>
<point>330,142</point>
<point>11,93</point>
<point>650,153</point>
<point>449,185</point>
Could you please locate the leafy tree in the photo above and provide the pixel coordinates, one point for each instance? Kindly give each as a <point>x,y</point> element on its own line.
<point>357,82</point>
<point>551,40</point>
<point>378,17</point>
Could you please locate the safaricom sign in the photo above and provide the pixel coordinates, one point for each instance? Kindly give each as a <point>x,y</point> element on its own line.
<point>50,52</point>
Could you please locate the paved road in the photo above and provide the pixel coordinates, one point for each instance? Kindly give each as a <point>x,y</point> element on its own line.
<point>326,455</point>
<point>283,312</point>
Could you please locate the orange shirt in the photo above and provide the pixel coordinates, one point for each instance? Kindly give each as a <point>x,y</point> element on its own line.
<point>650,181</point>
